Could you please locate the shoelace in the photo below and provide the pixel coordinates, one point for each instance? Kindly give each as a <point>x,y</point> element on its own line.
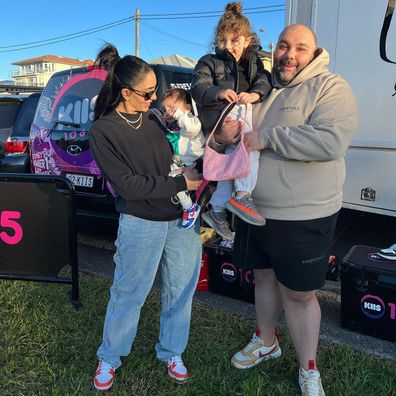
<point>252,344</point>
<point>310,382</point>
<point>174,361</point>
<point>104,366</point>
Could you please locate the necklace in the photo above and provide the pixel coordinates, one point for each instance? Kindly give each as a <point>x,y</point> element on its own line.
<point>138,121</point>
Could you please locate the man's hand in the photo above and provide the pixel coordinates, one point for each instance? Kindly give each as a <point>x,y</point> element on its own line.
<point>245,97</point>
<point>229,95</point>
<point>193,178</point>
<point>252,141</point>
<point>230,132</point>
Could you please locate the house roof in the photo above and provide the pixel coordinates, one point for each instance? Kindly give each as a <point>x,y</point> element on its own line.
<point>174,60</point>
<point>57,59</point>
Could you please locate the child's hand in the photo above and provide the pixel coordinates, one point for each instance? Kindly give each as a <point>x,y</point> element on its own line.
<point>229,95</point>
<point>245,97</point>
<point>170,111</point>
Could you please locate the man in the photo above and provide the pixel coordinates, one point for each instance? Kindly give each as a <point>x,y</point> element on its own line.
<point>303,130</point>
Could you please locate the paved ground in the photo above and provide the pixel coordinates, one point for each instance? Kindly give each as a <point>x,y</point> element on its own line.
<point>96,258</point>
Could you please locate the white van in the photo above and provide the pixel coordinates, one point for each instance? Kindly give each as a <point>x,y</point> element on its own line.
<point>361,39</point>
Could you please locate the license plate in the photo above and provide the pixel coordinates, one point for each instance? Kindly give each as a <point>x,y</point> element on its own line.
<point>80,180</point>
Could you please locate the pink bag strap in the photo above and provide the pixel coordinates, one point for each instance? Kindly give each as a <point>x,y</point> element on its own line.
<point>225,110</point>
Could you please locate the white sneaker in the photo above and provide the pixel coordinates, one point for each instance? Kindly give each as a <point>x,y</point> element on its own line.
<point>255,352</point>
<point>388,253</point>
<point>310,383</point>
<point>176,369</point>
<point>104,376</point>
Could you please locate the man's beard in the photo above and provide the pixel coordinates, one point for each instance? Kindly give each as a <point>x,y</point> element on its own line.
<point>281,76</point>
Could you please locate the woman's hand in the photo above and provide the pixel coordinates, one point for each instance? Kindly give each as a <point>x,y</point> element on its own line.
<point>193,178</point>
<point>245,97</point>
<point>229,95</point>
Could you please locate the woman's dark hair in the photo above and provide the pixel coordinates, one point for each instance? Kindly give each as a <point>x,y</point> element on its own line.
<point>179,94</point>
<point>123,72</point>
<point>234,21</point>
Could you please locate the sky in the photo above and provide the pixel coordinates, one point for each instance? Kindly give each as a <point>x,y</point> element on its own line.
<point>34,23</point>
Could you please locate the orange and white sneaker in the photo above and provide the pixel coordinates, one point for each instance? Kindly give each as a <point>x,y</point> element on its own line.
<point>176,369</point>
<point>104,376</point>
<point>256,352</point>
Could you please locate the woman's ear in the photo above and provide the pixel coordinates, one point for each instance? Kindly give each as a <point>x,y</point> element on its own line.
<point>125,93</point>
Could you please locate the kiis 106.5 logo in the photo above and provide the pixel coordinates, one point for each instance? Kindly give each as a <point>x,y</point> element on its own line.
<point>375,308</point>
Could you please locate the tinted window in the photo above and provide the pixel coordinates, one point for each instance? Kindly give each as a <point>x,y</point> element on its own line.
<point>25,116</point>
<point>70,98</point>
<point>8,112</point>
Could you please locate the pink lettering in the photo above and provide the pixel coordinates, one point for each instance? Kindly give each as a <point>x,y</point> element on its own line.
<point>7,221</point>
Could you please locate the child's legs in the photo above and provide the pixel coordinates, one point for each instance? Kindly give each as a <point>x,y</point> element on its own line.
<point>185,199</point>
<point>221,195</point>
<point>248,182</point>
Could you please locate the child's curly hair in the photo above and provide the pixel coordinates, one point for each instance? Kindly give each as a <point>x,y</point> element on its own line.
<point>234,21</point>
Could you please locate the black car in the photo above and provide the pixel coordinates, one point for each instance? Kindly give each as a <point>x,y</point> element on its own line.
<point>16,116</point>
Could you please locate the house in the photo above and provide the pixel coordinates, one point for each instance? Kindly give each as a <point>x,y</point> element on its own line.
<point>37,71</point>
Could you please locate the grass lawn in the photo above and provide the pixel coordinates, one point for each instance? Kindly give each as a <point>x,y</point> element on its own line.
<point>48,348</point>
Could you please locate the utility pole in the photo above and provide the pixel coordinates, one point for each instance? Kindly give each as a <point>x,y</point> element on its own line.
<point>271,44</point>
<point>137,16</point>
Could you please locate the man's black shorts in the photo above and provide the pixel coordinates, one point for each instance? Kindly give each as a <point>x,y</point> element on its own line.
<point>297,251</point>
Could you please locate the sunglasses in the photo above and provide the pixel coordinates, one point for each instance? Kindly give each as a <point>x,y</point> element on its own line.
<point>145,95</point>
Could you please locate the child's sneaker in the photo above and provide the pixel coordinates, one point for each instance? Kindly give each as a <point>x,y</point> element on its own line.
<point>310,382</point>
<point>245,208</point>
<point>217,220</point>
<point>388,253</point>
<point>190,216</point>
<point>176,369</point>
<point>255,352</point>
<point>104,376</point>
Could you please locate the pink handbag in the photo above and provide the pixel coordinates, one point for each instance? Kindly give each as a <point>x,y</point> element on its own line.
<point>225,166</point>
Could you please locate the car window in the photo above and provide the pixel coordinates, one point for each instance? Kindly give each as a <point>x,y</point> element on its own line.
<point>8,111</point>
<point>25,116</point>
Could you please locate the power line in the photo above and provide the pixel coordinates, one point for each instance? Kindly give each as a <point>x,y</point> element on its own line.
<point>215,12</point>
<point>76,35</point>
<point>72,34</point>
<point>191,15</point>
<point>172,35</point>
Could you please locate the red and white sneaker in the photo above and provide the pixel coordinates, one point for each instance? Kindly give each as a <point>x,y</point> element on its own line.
<point>190,216</point>
<point>176,369</point>
<point>104,376</point>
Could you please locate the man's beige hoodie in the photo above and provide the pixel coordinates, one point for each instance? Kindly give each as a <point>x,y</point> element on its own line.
<point>305,128</point>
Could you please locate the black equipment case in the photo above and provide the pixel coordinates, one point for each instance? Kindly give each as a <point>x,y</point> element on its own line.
<point>368,293</point>
<point>227,278</point>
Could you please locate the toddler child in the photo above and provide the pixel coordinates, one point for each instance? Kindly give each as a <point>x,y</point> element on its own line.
<point>185,135</point>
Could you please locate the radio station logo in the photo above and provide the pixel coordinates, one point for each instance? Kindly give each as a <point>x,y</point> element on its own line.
<point>372,306</point>
<point>228,272</point>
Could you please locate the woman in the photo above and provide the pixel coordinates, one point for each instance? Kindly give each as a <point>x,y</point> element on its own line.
<point>130,147</point>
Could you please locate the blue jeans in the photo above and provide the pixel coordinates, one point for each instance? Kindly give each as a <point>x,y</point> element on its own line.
<point>143,245</point>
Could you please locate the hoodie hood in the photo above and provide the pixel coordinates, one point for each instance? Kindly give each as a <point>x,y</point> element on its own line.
<point>317,66</point>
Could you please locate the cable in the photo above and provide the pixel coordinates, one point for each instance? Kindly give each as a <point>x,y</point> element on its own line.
<point>71,34</point>
<point>214,12</point>
<point>66,39</point>
<point>193,15</point>
<point>206,16</point>
<point>172,35</point>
